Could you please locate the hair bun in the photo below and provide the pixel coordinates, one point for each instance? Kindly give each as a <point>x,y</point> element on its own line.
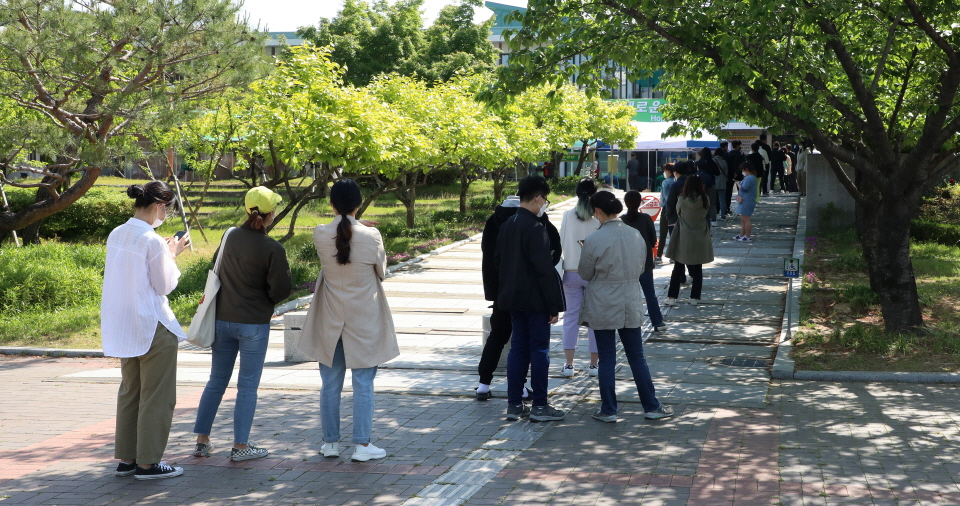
<point>135,191</point>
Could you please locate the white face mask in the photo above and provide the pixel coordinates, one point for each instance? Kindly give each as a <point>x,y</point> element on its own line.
<point>157,222</point>
<point>543,209</point>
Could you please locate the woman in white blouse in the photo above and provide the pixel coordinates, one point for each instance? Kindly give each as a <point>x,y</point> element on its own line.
<point>138,327</point>
<point>577,224</point>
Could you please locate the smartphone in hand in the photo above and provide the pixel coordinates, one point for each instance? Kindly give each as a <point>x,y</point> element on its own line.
<point>179,235</point>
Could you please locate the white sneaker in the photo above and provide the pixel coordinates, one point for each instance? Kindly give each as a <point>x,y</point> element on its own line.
<point>593,370</point>
<point>567,371</point>
<point>365,453</point>
<point>330,449</point>
<point>670,301</point>
<point>694,302</point>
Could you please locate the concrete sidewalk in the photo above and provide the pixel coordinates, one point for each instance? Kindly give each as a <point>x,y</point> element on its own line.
<point>736,438</point>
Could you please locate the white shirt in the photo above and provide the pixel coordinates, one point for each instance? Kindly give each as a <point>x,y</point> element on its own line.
<point>139,274</point>
<point>571,231</point>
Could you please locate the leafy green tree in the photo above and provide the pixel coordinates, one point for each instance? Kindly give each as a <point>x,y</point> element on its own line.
<point>453,45</point>
<point>93,69</point>
<point>603,121</point>
<point>370,39</point>
<point>874,85</point>
<point>302,115</point>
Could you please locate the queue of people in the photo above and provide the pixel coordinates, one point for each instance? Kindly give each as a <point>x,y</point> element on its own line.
<point>594,270</point>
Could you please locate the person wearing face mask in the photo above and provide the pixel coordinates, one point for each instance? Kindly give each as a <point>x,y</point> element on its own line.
<point>255,277</point>
<point>530,290</point>
<point>138,327</point>
<point>611,261</point>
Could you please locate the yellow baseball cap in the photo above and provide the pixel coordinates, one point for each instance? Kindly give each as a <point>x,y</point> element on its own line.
<point>262,198</point>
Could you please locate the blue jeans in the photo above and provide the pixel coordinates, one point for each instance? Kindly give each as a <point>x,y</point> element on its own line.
<point>650,294</point>
<point>250,341</point>
<point>363,401</point>
<point>606,376</point>
<point>530,348</point>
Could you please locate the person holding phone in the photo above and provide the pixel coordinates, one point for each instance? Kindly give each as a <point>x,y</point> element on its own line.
<point>255,277</point>
<point>138,327</point>
<point>577,224</point>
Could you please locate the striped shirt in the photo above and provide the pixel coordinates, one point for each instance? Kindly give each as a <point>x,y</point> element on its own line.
<point>140,272</point>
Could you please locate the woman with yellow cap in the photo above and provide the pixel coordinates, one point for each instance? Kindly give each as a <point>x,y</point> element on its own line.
<point>254,277</point>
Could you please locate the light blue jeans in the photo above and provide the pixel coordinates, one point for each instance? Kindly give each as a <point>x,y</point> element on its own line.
<point>363,402</point>
<point>250,341</point>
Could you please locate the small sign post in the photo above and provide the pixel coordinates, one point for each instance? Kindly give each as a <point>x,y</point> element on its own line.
<point>791,269</point>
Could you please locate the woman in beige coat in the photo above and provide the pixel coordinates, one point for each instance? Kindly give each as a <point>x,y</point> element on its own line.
<point>349,323</point>
<point>691,245</point>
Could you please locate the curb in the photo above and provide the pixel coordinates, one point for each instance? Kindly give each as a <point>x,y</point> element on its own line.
<point>876,376</point>
<point>51,352</point>
<point>783,366</point>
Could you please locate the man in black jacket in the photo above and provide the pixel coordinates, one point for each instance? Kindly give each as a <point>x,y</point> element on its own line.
<point>777,169</point>
<point>500,326</point>
<point>530,290</point>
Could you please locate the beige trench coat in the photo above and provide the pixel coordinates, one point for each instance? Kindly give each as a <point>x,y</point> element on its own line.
<point>611,261</point>
<point>350,302</point>
<point>690,243</point>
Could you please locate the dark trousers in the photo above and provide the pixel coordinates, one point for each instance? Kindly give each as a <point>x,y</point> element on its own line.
<point>530,349</point>
<point>727,197</point>
<point>632,340</point>
<point>677,277</point>
<point>650,294</point>
<point>779,175</point>
<point>792,182</point>
<point>500,329</point>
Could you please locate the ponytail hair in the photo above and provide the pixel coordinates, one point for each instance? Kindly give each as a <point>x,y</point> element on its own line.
<point>585,189</point>
<point>345,197</point>
<point>633,199</point>
<point>255,220</point>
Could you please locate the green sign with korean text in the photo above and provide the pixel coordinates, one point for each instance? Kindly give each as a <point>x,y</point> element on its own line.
<point>648,109</point>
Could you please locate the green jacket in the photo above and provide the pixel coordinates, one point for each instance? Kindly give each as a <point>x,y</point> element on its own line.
<point>690,243</point>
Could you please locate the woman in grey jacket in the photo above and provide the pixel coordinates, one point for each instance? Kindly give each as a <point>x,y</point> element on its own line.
<point>610,263</point>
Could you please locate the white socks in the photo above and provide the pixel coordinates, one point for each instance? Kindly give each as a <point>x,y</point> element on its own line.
<point>482,389</point>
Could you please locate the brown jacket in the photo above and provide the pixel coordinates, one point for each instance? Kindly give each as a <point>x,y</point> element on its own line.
<point>350,302</point>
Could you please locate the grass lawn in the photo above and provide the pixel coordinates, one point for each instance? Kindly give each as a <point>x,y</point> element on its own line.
<point>841,319</point>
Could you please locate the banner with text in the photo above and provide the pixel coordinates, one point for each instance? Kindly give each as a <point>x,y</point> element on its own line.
<point>648,109</point>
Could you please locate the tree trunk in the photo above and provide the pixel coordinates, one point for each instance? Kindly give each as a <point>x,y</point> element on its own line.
<point>499,184</point>
<point>464,187</point>
<point>555,159</point>
<point>884,227</point>
<point>583,156</point>
<point>293,220</point>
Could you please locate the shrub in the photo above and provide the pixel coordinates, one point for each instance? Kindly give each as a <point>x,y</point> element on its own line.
<point>485,203</point>
<point>91,217</point>
<point>453,216</point>
<point>566,185</point>
<point>50,276</point>
<point>931,231</point>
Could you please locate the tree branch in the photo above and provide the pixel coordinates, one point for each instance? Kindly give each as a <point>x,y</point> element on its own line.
<point>930,31</point>
<point>845,180</point>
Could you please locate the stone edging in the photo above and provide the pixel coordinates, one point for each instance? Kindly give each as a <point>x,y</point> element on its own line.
<point>783,365</point>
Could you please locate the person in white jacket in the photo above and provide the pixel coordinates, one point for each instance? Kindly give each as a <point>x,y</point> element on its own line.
<point>577,224</point>
<point>138,327</point>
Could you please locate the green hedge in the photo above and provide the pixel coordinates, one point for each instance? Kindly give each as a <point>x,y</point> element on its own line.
<point>947,234</point>
<point>91,217</point>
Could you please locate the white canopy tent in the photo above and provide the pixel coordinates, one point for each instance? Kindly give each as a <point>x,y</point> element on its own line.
<point>650,138</point>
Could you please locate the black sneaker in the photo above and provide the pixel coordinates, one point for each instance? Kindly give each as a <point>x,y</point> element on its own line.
<point>158,472</point>
<point>126,469</point>
<point>485,396</point>
<point>546,413</point>
<point>248,453</point>
<point>517,412</point>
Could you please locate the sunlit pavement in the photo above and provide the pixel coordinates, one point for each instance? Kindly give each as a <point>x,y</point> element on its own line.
<point>737,437</point>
